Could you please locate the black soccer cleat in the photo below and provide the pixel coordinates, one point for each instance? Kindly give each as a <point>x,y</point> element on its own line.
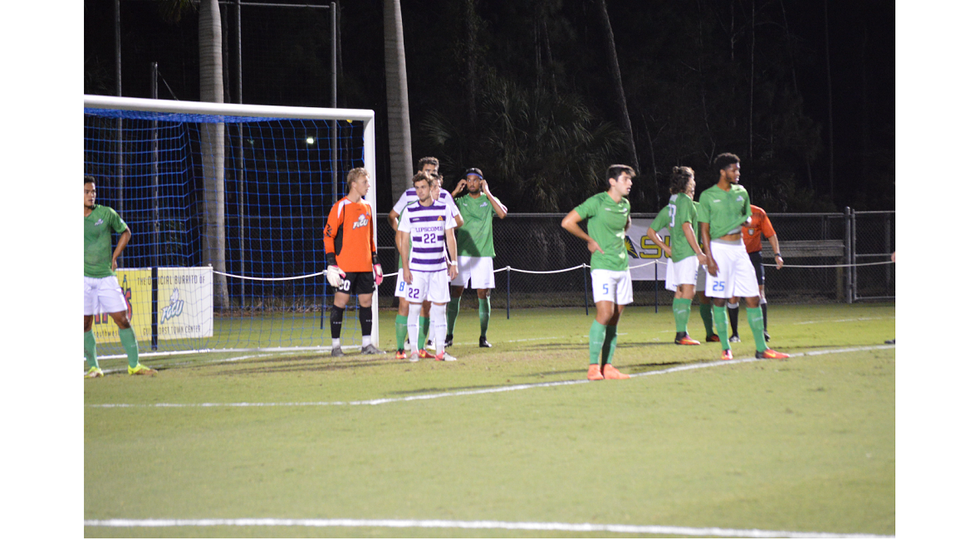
<point>484,343</point>
<point>449,341</point>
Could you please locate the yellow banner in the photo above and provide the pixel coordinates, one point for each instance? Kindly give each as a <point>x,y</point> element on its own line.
<point>137,289</point>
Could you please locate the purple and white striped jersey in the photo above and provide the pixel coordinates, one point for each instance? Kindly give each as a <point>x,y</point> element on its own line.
<point>427,226</point>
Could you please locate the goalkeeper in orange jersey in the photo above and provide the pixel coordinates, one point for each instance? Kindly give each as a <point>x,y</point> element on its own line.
<point>352,259</point>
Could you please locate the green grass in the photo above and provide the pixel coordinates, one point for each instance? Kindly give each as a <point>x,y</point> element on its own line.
<point>806,444</point>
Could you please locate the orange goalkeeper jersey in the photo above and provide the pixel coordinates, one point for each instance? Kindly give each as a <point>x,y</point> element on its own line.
<point>757,228</point>
<point>349,234</point>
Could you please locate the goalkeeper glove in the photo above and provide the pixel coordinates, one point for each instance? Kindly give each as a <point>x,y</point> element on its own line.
<point>335,276</point>
<point>378,275</point>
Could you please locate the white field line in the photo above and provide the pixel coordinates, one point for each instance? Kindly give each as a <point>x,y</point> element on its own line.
<point>500,389</point>
<point>463,524</point>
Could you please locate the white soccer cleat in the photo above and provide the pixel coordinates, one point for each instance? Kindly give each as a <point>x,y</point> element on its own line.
<point>443,356</point>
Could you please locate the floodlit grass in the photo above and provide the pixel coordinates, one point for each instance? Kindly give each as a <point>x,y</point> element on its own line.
<point>806,444</point>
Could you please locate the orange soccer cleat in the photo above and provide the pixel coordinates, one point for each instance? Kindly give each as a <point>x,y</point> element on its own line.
<point>594,373</point>
<point>769,353</point>
<point>610,373</point>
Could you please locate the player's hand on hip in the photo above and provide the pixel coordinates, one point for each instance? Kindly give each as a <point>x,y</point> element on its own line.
<point>594,246</point>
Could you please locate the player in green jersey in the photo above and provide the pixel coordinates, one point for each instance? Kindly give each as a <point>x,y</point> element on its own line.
<point>474,241</point>
<point>609,218</point>
<point>102,291</point>
<point>686,255</point>
<point>724,208</point>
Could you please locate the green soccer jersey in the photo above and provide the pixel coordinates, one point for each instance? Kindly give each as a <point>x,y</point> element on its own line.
<point>99,226</point>
<point>682,210</point>
<point>475,237</point>
<point>724,211</point>
<point>607,226</point>
<point>662,220</point>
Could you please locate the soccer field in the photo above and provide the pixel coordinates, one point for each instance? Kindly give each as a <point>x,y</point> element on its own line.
<point>509,441</point>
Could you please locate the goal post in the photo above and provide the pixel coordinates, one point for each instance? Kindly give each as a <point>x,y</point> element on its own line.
<point>227,204</point>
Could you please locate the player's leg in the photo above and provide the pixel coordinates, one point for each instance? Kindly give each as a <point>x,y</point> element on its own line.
<point>597,336</point>
<point>91,357</point>
<point>424,326</point>
<point>91,308</point>
<point>718,288</point>
<point>483,297</point>
<point>414,311</point>
<point>112,301</point>
<point>765,311</point>
<point>452,311</point>
<point>438,297</point>
<point>340,299</point>
<point>746,275</point>
<point>760,273</point>
<point>365,288</point>
<point>685,279</point>
<point>705,307</point>
<point>623,292</point>
<point>733,318</point>
<point>401,319</point>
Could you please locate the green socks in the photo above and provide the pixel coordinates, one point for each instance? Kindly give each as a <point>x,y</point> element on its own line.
<point>90,350</point>
<point>609,345</point>
<point>758,327</point>
<point>682,312</point>
<point>597,339</point>
<point>401,331</point>
<point>706,318</point>
<point>423,330</point>
<point>484,316</point>
<point>721,323</point>
<point>128,339</point>
<point>452,311</point>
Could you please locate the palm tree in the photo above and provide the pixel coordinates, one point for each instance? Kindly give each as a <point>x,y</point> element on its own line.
<point>613,59</point>
<point>396,83</point>
<point>212,136</point>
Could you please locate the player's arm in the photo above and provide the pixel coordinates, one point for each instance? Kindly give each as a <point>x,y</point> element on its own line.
<point>375,263</point>
<point>655,238</point>
<point>451,245</point>
<point>402,242</point>
<point>571,223</point>
<point>770,233</point>
<point>711,265</point>
<point>393,219</point>
<point>124,237</point>
<point>334,272</point>
<point>693,241</point>
<point>459,188</point>
<point>498,208</point>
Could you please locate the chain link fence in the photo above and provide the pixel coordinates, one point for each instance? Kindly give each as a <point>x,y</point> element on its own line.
<point>829,257</point>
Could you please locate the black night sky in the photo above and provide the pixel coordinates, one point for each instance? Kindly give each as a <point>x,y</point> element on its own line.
<point>687,68</point>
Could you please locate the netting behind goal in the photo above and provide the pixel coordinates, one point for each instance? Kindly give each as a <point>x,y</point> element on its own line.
<point>227,205</point>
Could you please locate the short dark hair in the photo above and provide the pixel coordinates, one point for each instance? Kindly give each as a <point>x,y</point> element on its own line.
<point>423,177</point>
<point>89,179</point>
<point>679,178</point>
<point>428,161</point>
<point>725,159</point>
<point>614,171</point>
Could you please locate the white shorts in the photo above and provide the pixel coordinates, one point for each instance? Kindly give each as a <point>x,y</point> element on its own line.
<point>475,270</point>
<point>103,295</point>
<point>736,276</point>
<point>428,286</point>
<point>401,287</point>
<point>669,283</point>
<point>699,287</point>
<point>614,286</point>
<point>683,272</point>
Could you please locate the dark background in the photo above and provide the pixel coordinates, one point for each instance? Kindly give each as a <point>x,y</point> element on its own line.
<point>815,81</point>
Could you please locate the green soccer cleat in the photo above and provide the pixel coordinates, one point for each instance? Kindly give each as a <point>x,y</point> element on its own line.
<point>94,372</point>
<point>143,370</point>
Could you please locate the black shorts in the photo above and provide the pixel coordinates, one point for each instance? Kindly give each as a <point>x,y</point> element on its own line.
<point>356,283</point>
<point>760,272</point>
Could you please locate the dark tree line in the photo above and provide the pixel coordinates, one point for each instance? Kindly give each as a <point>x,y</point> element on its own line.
<point>527,89</point>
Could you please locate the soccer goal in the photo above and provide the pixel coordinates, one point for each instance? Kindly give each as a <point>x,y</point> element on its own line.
<point>227,205</point>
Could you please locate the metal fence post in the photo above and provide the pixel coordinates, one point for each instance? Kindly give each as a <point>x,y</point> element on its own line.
<point>508,292</point>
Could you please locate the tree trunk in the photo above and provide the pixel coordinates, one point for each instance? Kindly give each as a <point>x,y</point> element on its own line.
<point>620,95</point>
<point>396,84</point>
<point>830,100</point>
<point>213,147</point>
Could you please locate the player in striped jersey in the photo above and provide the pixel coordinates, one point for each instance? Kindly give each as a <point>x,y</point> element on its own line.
<point>429,165</point>
<point>352,259</point>
<point>425,230</point>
